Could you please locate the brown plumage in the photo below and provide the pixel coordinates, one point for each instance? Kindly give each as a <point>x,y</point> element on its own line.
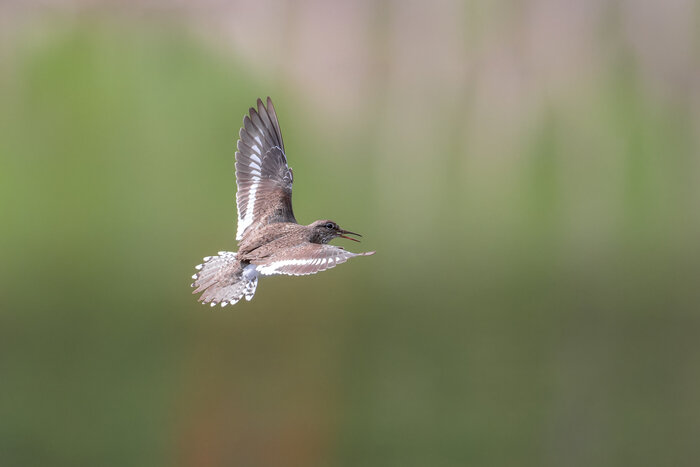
<point>270,239</point>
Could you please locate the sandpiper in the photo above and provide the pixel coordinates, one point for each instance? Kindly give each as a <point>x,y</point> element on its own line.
<point>270,241</point>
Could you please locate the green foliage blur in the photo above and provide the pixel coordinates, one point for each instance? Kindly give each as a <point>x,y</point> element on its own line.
<point>538,308</point>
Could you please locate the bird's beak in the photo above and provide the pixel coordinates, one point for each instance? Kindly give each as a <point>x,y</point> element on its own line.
<point>349,233</point>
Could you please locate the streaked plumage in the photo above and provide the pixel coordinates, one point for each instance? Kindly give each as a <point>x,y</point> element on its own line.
<point>270,239</point>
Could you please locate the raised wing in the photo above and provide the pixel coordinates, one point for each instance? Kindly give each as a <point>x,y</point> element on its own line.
<point>308,258</point>
<point>264,180</point>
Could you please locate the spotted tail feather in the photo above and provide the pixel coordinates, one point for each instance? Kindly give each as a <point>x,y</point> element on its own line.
<point>222,280</point>
<point>250,284</point>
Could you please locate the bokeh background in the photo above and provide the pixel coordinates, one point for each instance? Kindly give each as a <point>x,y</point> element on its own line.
<point>527,171</point>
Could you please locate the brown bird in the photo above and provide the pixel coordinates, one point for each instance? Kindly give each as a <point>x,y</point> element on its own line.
<point>270,239</point>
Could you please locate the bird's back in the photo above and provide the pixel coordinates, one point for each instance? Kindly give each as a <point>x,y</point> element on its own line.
<point>261,242</point>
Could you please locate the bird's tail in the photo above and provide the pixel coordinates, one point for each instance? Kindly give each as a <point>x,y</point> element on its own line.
<point>223,279</point>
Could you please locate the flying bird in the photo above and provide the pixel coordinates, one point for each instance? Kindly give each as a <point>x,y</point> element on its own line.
<point>270,241</point>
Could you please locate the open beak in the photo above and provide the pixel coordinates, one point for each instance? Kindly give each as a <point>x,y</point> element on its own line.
<point>349,233</point>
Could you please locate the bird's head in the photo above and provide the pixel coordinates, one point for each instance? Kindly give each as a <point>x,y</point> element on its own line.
<point>324,231</point>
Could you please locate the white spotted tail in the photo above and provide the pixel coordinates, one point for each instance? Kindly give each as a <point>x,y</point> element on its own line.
<point>223,281</point>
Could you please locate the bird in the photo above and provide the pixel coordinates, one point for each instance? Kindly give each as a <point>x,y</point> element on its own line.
<point>270,240</point>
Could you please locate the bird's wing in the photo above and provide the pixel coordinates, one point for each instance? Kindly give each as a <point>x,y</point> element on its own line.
<point>301,260</point>
<point>264,180</point>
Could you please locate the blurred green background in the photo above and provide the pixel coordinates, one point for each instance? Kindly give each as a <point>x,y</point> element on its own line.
<point>527,172</point>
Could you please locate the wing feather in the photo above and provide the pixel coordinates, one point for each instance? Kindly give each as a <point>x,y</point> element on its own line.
<point>308,258</point>
<point>263,177</point>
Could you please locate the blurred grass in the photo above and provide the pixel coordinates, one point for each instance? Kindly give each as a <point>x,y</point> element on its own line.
<point>541,311</point>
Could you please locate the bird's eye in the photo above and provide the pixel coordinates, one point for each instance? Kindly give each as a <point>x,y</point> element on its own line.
<point>330,225</point>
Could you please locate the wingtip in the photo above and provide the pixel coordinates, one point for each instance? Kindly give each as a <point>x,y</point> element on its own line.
<point>261,105</point>
<point>262,109</point>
